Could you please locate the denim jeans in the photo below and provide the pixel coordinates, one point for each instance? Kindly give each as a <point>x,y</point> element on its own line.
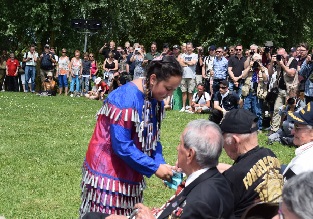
<point>30,73</point>
<point>85,84</point>
<point>255,105</point>
<point>75,80</point>
<point>237,90</point>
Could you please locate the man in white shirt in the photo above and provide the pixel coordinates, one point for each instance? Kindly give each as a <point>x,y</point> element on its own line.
<point>303,138</point>
<point>188,84</point>
<point>30,69</point>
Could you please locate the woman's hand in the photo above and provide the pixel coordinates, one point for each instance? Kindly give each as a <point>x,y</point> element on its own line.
<point>164,172</point>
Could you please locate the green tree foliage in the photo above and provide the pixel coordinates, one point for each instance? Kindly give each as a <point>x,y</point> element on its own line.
<point>223,22</point>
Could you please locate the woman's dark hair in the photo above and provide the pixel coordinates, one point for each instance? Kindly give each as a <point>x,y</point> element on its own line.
<point>163,67</point>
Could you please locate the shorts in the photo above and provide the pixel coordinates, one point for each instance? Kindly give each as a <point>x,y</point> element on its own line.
<point>23,79</point>
<point>188,84</point>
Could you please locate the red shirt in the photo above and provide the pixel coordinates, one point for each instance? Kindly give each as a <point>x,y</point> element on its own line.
<point>12,66</point>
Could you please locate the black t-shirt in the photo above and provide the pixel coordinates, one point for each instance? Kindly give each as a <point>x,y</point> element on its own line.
<point>229,102</point>
<point>106,52</point>
<point>115,84</point>
<point>199,67</point>
<point>237,64</point>
<point>254,177</point>
<point>281,82</point>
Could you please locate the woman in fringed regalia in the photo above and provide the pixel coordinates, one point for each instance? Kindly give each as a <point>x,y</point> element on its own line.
<point>125,145</point>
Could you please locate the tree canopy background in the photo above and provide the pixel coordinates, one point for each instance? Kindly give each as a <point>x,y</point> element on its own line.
<point>203,22</point>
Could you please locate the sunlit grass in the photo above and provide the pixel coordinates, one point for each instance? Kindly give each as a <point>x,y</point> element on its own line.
<point>43,142</point>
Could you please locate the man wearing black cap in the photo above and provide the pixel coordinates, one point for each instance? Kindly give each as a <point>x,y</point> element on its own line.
<point>224,101</point>
<point>46,63</point>
<point>303,138</point>
<point>255,175</point>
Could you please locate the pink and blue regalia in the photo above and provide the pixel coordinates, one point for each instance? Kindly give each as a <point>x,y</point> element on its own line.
<point>124,147</point>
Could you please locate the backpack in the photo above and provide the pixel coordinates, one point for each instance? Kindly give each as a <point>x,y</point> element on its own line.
<point>46,63</point>
<point>24,63</point>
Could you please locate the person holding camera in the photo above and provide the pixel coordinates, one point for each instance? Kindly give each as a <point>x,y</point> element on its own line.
<point>104,50</point>
<point>117,81</point>
<point>138,58</point>
<point>199,65</point>
<point>47,60</point>
<point>30,59</point>
<point>254,89</point>
<point>306,72</point>
<point>287,80</point>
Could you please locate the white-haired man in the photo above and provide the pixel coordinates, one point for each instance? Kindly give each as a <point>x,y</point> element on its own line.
<point>255,175</point>
<point>303,139</point>
<point>206,194</point>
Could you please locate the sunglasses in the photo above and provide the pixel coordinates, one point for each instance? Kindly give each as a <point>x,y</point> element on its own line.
<point>63,52</point>
<point>218,51</point>
<point>238,49</point>
<point>90,56</point>
<point>223,87</point>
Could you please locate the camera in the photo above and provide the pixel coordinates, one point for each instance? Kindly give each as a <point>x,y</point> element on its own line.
<point>255,65</point>
<point>137,50</point>
<point>279,57</point>
<point>251,53</point>
<point>47,80</point>
<point>116,77</point>
<point>267,49</point>
<point>30,59</point>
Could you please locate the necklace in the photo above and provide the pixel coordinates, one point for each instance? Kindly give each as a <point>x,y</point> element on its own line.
<point>149,135</point>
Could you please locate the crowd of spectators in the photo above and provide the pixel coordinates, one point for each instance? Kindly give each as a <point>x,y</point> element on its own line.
<point>263,80</point>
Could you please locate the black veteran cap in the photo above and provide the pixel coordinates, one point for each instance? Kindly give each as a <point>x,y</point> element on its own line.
<point>304,116</point>
<point>239,121</point>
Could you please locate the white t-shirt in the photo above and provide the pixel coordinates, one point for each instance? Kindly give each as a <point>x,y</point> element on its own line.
<point>190,71</point>
<point>204,98</point>
<point>32,56</point>
<point>303,161</point>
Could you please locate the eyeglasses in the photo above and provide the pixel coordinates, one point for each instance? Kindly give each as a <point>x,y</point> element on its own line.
<point>297,127</point>
<point>223,87</point>
<point>238,49</point>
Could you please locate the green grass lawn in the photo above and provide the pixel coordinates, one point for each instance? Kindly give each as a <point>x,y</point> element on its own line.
<point>43,142</point>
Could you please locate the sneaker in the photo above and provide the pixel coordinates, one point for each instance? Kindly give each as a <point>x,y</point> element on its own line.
<point>71,95</point>
<point>188,107</point>
<point>189,111</point>
<point>182,110</point>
